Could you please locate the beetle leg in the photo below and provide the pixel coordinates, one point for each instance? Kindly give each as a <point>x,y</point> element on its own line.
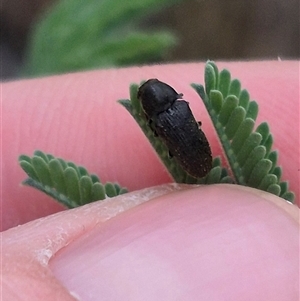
<point>179,96</point>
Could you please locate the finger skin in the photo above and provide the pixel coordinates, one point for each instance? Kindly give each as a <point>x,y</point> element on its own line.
<point>76,117</point>
<point>185,243</point>
<point>27,249</point>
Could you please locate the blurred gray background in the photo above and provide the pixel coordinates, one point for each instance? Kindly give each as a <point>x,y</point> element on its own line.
<point>217,29</point>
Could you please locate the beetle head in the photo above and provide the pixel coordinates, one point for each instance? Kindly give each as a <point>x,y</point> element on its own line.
<point>156,97</point>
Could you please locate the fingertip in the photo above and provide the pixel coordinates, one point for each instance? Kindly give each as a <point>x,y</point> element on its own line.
<point>193,240</point>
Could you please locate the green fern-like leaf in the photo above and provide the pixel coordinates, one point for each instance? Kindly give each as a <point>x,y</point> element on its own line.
<point>78,35</point>
<point>69,184</point>
<point>248,150</point>
<point>216,175</point>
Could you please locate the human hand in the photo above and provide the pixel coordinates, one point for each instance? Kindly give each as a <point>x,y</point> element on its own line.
<point>43,114</point>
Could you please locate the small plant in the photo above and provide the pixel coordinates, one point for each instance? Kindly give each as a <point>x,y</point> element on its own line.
<point>248,150</point>
<point>69,184</point>
<point>78,35</point>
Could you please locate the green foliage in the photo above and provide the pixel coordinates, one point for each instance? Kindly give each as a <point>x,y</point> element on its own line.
<point>217,173</point>
<point>69,184</point>
<point>248,151</point>
<point>77,35</point>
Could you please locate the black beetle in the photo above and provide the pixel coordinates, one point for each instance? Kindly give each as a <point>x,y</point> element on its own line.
<point>172,120</point>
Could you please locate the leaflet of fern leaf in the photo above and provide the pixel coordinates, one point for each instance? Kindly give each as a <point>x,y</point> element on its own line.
<point>216,161</point>
<point>75,167</point>
<point>283,187</point>
<point>235,88</point>
<point>82,171</point>
<point>216,72</point>
<point>244,99</point>
<point>224,82</point>
<point>97,192</point>
<point>242,134</point>
<point>123,191</point>
<point>277,172</point>
<point>85,184</point>
<point>209,78</point>
<point>216,100</point>
<point>135,103</point>
<point>42,155</point>
<point>57,176</point>
<point>268,180</point>
<point>230,103</point>
<point>273,156</point>
<point>274,188</point>
<point>235,120</point>
<point>95,178</point>
<point>110,190</point>
<point>25,158</point>
<point>251,142</point>
<point>201,92</point>
<point>255,156</point>
<point>50,157</point>
<point>268,144</point>
<point>72,184</point>
<point>252,111</point>
<point>289,196</point>
<point>117,187</point>
<point>213,176</point>
<point>227,180</point>
<point>42,170</point>
<point>264,130</point>
<point>63,163</point>
<point>26,164</point>
<point>258,173</point>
